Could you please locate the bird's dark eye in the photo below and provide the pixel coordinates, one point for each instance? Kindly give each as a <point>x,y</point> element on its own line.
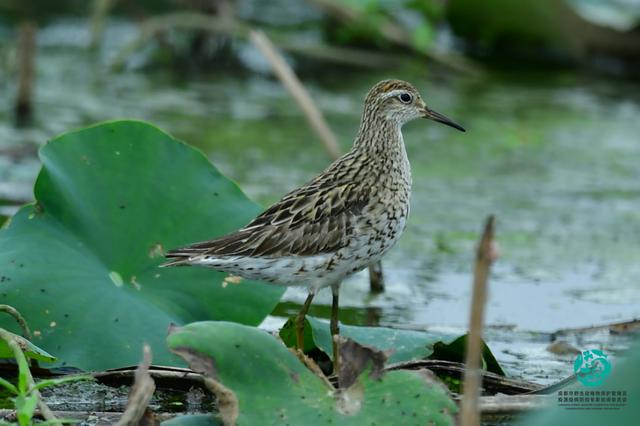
<point>405,98</point>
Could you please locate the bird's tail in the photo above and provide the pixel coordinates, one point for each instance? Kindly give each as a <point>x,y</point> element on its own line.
<point>178,261</point>
<point>180,256</point>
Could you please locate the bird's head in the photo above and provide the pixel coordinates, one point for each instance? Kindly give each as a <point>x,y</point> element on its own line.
<point>399,101</point>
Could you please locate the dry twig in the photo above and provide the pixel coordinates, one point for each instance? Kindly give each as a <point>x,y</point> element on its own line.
<point>485,255</point>
<point>141,392</point>
<point>99,15</point>
<point>297,91</point>
<point>26,332</point>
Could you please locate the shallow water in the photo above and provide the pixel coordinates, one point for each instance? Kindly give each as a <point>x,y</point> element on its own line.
<point>555,155</point>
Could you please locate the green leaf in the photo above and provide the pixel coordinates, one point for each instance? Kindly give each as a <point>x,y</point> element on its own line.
<point>404,344</point>
<point>25,407</point>
<point>29,349</point>
<point>455,351</point>
<point>82,262</point>
<point>262,380</point>
<point>8,386</point>
<point>24,374</point>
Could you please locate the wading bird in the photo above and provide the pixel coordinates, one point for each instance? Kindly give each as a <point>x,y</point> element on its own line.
<point>337,224</point>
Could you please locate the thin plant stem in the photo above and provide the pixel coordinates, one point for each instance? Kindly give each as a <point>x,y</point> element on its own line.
<point>26,332</point>
<point>297,91</point>
<point>20,358</point>
<point>485,255</point>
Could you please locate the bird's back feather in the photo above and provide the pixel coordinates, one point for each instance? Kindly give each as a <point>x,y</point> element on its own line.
<point>314,219</point>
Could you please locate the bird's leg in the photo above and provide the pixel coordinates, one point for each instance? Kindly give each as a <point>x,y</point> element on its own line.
<point>300,320</point>
<point>334,327</point>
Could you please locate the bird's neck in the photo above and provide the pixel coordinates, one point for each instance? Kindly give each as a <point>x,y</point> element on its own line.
<point>379,144</point>
<point>378,137</point>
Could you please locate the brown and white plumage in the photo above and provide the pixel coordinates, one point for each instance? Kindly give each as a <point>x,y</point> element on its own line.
<point>339,222</point>
<point>314,219</point>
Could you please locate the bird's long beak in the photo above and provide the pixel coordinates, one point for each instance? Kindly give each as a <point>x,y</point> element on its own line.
<point>436,116</point>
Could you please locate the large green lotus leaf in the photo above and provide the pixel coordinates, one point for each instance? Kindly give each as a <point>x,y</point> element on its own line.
<point>263,382</point>
<point>81,263</point>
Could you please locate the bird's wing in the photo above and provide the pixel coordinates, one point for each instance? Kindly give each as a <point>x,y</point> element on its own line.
<point>314,219</point>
